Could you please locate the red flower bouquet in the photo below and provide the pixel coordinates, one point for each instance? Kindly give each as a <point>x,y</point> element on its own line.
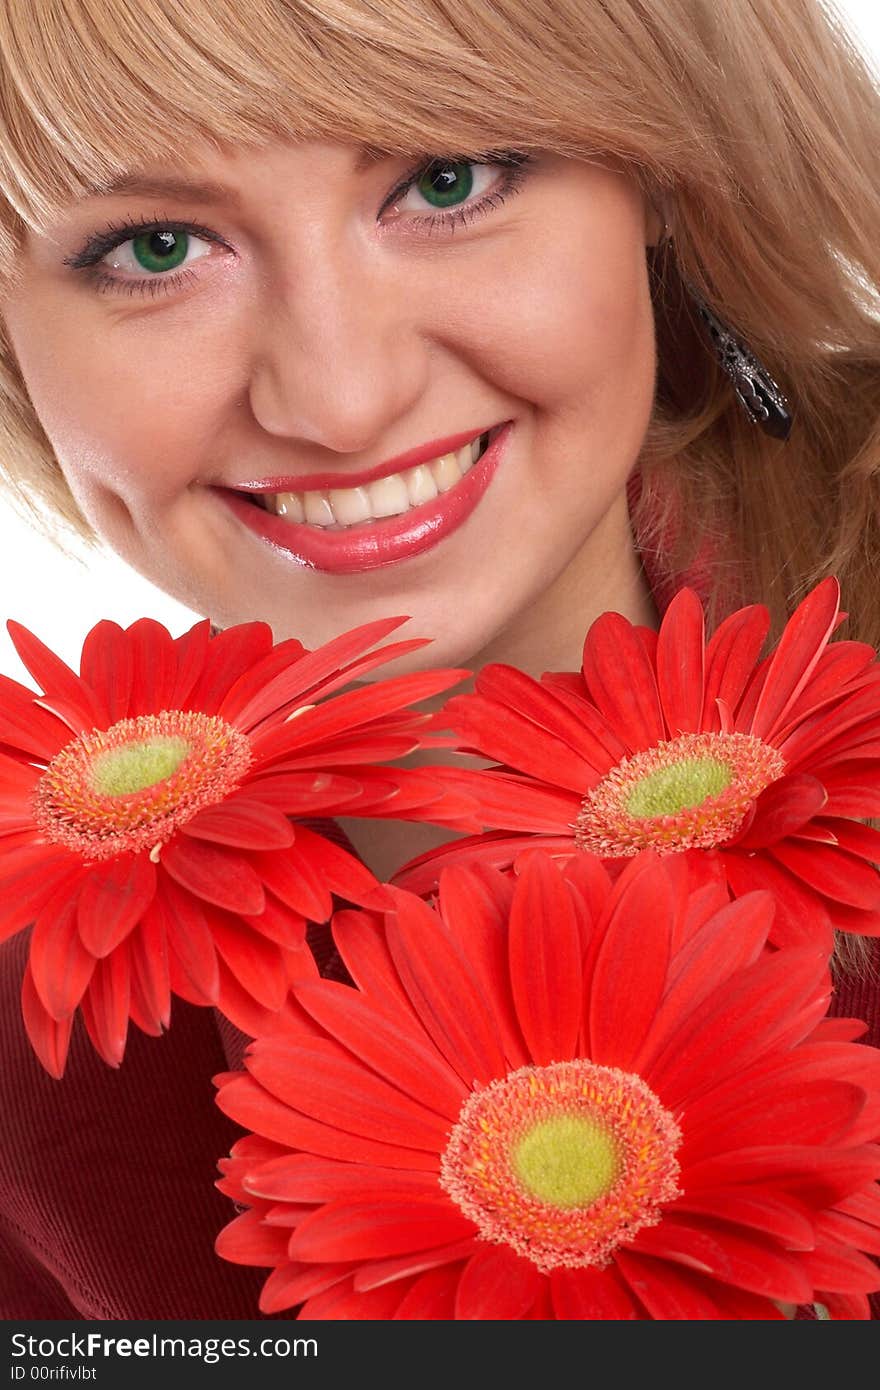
<point>151,813</point>
<point>560,1096</point>
<point>667,741</point>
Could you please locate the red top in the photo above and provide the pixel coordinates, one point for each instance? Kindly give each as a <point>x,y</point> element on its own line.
<point>108,1208</point>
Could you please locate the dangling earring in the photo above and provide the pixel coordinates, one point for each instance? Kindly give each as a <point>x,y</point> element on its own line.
<point>755,388</point>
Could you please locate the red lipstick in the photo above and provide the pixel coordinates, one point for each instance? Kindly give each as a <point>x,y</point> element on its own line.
<point>323,482</point>
<point>383,541</point>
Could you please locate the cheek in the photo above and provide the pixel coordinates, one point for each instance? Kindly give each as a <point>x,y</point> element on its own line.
<point>568,327</point>
<point>121,425</point>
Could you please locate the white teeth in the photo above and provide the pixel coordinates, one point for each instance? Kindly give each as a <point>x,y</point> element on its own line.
<point>420,485</point>
<point>318,509</point>
<point>288,504</point>
<point>350,505</point>
<point>446,472</point>
<point>388,496</point>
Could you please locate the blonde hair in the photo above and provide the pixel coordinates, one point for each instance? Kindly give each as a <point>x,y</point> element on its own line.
<point>755,123</point>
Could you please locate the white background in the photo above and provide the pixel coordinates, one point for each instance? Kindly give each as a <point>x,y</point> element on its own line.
<point>60,598</point>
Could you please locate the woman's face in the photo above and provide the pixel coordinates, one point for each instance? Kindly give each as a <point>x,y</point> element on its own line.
<point>313,319</point>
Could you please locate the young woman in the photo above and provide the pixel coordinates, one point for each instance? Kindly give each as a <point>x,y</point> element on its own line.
<point>267,272</point>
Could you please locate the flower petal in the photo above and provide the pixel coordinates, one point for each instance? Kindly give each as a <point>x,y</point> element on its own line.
<point>841,1269</point>
<point>294,877</point>
<point>30,877</point>
<point>148,956</point>
<point>247,1240</point>
<point>250,1105</point>
<point>756,1011</point>
<point>319,1079</point>
<point>781,810</point>
<point>243,822</point>
<point>621,681</point>
<point>367,1230</point>
<point>475,904</point>
<point>747,1262</point>
<point>680,656</point>
<point>105,1006</point>
<point>190,650</point>
<point>49,1037</point>
<point>801,916</point>
<point>299,678</point>
<point>291,1283</point>
<point>538,702</point>
<point>496,731</point>
<point>342,873</point>
<point>496,1285</point>
<point>219,876</point>
<point>732,938</point>
<point>106,667</point>
<point>779,1216</point>
<point>816,1112</point>
<point>731,655</point>
<point>229,652</point>
<point>25,726</point>
<point>257,964</point>
<point>821,1177</point>
<point>112,900</point>
<point>833,872</point>
<point>384,1041</point>
<point>55,677</point>
<point>629,976</point>
<point>351,710</point>
<point>375,1272</point>
<point>342,1304</point>
<point>591,1295</point>
<point>796,656</point>
<point>497,850</point>
<point>60,965</point>
<point>441,986</point>
<point>190,943</point>
<point>303,1177</point>
<point>545,966</point>
<point>154,666</point>
<point>431,1296</point>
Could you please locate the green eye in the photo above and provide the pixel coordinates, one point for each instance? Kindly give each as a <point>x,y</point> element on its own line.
<point>447,182</point>
<point>160,249</point>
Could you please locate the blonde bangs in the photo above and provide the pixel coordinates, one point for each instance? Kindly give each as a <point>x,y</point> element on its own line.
<point>90,89</point>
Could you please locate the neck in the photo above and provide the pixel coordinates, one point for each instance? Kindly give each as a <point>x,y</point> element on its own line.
<point>606,575</point>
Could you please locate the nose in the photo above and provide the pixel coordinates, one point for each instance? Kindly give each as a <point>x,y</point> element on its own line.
<point>338,356</point>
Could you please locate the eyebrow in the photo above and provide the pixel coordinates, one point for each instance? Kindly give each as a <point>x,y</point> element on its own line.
<point>204,190</point>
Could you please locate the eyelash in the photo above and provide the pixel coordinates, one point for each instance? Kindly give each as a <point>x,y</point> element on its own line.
<point>513,163</point>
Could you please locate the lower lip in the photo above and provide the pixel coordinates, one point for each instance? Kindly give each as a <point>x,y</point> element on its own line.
<point>383,541</point>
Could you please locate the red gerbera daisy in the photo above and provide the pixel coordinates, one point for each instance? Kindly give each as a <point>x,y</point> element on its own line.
<point>145,815</point>
<point>665,741</point>
<point>560,1096</point>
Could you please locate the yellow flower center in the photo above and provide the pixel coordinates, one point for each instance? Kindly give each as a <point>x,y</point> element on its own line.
<point>685,783</point>
<point>568,1160</point>
<point>137,766</point>
<point>128,788</point>
<point>691,792</point>
<point>563,1163</point>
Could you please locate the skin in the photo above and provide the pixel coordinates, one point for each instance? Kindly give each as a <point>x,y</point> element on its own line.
<point>264,362</point>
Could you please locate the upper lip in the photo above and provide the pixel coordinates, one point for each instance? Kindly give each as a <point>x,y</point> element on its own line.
<point>323,482</point>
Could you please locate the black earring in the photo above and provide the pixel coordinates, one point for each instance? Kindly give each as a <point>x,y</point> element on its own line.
<point>755,388</point>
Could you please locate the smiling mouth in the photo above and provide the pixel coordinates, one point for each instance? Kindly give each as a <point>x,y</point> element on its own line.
<point>339,509</point>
